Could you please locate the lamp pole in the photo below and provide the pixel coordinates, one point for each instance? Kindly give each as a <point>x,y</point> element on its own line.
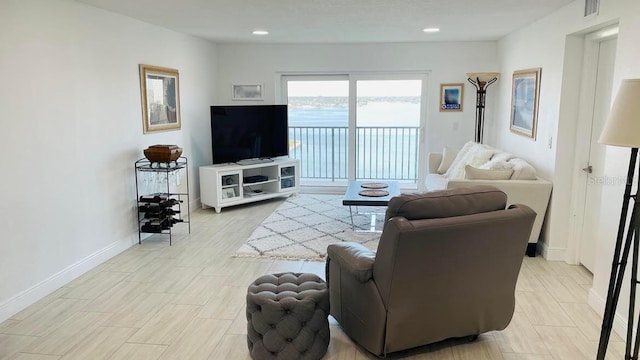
<point>481,93</point>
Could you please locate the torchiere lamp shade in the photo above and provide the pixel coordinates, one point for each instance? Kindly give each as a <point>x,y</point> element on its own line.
<point>623,124</point>
<point>483,76</point>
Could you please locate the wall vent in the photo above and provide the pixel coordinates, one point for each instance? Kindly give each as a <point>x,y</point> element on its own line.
<point>591,7</point>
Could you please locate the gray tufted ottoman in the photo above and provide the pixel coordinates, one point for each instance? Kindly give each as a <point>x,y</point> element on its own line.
<point>287,317</point>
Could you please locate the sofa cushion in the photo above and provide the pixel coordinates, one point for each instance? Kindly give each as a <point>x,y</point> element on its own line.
<point>436,182</point>
<point>447,203</point>
<point>448,155</point>
<point>473,173</point>
<point>522,170</point>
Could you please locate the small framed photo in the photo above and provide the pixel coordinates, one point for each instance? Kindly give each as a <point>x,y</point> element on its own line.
<point>524,102</point>
<point>451,97</point>
<point>247,92</point>
<point>229,193</point>
<point>160,92</point>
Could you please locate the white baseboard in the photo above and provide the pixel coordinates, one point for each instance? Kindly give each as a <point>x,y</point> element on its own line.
<point>27,297</point>
<point>552,254</point>
<point>597,303</point>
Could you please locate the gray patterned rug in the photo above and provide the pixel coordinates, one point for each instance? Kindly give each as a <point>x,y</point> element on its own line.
<point>303,226</point>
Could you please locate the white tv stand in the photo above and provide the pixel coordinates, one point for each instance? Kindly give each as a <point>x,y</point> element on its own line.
<point>224,185</point>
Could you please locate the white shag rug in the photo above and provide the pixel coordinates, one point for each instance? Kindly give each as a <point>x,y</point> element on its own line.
<point>304,225</point>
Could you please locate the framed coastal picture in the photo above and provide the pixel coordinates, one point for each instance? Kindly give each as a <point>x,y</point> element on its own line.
<point>160,91</point>
<point>251,92</point>
<point>524,102</point>
<point>451,97</point>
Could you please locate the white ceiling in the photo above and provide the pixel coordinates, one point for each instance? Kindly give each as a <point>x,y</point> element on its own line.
<point>336,21</point>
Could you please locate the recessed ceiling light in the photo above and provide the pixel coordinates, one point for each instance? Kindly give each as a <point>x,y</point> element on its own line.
<point>260,32</point>
<point>431,30</point>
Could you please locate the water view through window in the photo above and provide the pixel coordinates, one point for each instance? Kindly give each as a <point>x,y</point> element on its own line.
<point>387,122</point>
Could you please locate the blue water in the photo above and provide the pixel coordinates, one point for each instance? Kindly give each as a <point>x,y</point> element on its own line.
<point>382,153</point>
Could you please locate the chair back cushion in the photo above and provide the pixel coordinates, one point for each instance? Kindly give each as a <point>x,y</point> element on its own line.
<point>447,203</point>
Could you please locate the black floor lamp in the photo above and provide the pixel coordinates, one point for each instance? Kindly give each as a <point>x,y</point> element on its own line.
<point>623,129</point>
<point>481,80</point>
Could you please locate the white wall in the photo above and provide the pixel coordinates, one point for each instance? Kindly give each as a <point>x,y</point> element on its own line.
<point>544,44</point>
<point>71,129</point>
<point>446,62</point>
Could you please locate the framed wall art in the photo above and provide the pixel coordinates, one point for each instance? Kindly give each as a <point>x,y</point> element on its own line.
<point>247,92</point>
<point>525,95</point>
<point>451,97</point>
<point>160,90</point>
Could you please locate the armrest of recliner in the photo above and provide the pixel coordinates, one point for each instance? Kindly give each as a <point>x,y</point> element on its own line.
<point>354,258</point>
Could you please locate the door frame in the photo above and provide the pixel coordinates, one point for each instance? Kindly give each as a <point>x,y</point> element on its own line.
<point>353,77</point>
<point>591,51</point>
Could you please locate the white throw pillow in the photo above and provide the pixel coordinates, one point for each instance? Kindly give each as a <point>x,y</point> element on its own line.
<point>522,170</point>
<point>496,164</point>
<point>480,157</point>
<point>448,155</point>
<point>502,156</point>
<point>473,173</point>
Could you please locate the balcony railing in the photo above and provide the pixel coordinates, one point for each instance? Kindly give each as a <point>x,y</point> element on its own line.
<point>382,153</point>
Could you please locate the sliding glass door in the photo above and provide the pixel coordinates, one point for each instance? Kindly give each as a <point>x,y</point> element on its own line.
<point>352,127</point>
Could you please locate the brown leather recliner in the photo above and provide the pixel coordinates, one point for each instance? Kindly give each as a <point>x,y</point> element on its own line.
<point>446,266</point>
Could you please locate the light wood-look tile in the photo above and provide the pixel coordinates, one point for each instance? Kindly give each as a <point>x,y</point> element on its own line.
<point>200,290</point>
<point>111,300</point>
<point>188,301</point>
<point>39,304</point>
<point>46,318</point>
<point>239,324</point>
<point>231,347</point>
<point>25,356</point>
<point>136,313</point>
<point>541,309</point>
<point>566,342</point>
<point>166,325</point>
<point>100,344</point>
<point>564,289</point>
<point>485,348</point>
<point>520,337</point>
<point>13,344</point>
<point>513,356</point>
<point>130,351</point>
<point>96,285</point>
<point>198,341</point>
<point>225,303</point>
<point>587,320</point>
<point>70,333</point>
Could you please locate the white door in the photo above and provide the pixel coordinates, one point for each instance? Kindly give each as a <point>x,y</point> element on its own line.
<point>595,176</point>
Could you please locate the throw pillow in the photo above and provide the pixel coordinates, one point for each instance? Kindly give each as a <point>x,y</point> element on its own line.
<point>496,164</point>
<point>502,156</point>
<point>473,173</point>
<point>522,170</point>
<point>448,155</point>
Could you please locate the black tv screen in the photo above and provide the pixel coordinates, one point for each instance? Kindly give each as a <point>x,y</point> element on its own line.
<point>248,132</point>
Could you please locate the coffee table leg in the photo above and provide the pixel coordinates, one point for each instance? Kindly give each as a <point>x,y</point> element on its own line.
<point>353,226</point>
<point>373,223</point>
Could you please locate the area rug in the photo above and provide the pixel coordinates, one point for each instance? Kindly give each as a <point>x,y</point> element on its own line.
<point>304,225</point>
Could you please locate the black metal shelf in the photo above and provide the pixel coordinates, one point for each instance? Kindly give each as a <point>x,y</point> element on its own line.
<point>144,165</point>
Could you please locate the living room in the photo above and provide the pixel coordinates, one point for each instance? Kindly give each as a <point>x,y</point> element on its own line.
<point>72,122</point>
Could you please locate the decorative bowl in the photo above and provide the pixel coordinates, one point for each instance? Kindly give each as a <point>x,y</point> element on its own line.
<point>163,153</point>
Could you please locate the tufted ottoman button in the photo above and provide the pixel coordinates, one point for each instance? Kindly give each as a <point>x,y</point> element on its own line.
<point>263,331</point>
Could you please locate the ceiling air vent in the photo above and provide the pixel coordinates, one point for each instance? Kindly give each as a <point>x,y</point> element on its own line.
<point>591,7</point>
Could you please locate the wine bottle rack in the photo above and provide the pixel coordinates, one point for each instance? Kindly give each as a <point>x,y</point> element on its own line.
<point>160,211</point>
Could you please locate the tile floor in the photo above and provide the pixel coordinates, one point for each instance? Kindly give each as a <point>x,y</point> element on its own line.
<point>187,302</point>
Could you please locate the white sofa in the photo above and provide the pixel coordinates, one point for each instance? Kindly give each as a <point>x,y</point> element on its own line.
<point>522,186</point>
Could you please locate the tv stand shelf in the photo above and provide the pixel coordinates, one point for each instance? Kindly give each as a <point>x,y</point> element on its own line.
<point>224,185</point>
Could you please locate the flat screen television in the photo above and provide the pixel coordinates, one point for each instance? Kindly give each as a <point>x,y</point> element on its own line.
<point>244,132</point>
